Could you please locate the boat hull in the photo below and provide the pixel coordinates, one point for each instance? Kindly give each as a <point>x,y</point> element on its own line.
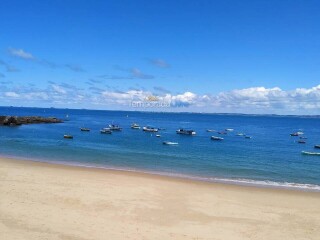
<point>311,153</point>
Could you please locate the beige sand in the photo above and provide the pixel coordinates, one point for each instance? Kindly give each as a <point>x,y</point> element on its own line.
<point>44,201</point>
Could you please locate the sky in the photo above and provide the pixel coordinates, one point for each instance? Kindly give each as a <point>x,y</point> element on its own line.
<point>248,56</point>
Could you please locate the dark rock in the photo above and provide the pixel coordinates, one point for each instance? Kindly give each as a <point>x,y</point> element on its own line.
<point>15,121</point>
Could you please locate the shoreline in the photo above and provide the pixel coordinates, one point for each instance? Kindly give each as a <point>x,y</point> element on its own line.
<point>264,184</point>
<point>56,202</point>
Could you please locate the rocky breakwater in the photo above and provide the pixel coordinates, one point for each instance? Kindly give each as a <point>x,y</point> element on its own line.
<point>16,121</point>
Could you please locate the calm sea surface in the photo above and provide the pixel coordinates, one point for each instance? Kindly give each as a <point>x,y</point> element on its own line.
<point>270,158</point>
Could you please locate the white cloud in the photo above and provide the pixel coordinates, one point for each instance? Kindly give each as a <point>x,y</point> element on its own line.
<point>58,89</point>
<point>21,53</point>
<point>248,100</point>
<point>255,99</point>
<point>11,94</point>
<point>125,97</point>
<point>269,98</point>
<point>36,95</point>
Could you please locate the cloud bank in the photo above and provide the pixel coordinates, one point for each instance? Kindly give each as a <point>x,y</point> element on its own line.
<point>248,100</point>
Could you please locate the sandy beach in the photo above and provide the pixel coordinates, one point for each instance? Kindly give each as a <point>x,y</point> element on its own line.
<point>46,201</point>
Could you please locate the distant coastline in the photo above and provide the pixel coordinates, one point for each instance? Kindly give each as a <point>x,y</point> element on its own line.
<point>173,112</point>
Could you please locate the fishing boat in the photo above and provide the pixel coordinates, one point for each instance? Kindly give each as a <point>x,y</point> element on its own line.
<point>311,153</point>
<point>186,132</point>
<point>84,129</point>
<point>68,136</point>
<point>114,127</point>
<point>316,146</point>
<point>158,135</point>
<point>229,129</point>
<point>150,129</point>
<point>106,131</point>
<point>301,141</point>
<point>296,134</point>
<point>170,143</point>
<point>135,126</point>
<point>216,138</point>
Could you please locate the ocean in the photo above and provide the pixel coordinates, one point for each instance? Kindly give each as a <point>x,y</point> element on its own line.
<point>271,158</point>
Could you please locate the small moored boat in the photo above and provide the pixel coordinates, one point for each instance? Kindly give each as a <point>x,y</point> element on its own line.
<point>240,134</point>
<point>247,137</point>
<point>68,136</point>
<point>114,127</point>
<point>210,130</point>
<point>106,131</point>
<point>170,143</point>
<point>229,129</point>
<point>316,146</point>
<point>296,134</point>
<point>135,126</point>
<point>186,132</point>
<point>84,129</point>
<point>150,129</point>
<point>158,135</point>
<point>216,138</point>
<point>311,153</point>
<point>301,141</point>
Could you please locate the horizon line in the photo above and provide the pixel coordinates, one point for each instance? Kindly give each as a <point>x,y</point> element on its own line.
<point>181,112</point>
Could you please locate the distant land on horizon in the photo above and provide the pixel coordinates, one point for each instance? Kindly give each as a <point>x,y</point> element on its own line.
<point>172,112</point>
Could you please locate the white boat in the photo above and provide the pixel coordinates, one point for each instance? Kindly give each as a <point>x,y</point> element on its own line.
<point>114,127</point>
<point>239,134</point>
<point>158,135</point>
<point>170,143</point>
<point>106,131</point>
<point>216,138</point>
<point>296,134</point>
<point>229,129</point>
<point>135,126</point>
<point>311,153</point>
<point>210,130</point>
<point>150,129</point>
<point>185,132</point>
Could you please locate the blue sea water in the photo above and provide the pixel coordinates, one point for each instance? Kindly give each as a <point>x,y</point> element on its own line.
<point>270,158</point>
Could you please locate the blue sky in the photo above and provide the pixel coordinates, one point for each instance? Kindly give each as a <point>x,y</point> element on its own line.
<point>211,56</point>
